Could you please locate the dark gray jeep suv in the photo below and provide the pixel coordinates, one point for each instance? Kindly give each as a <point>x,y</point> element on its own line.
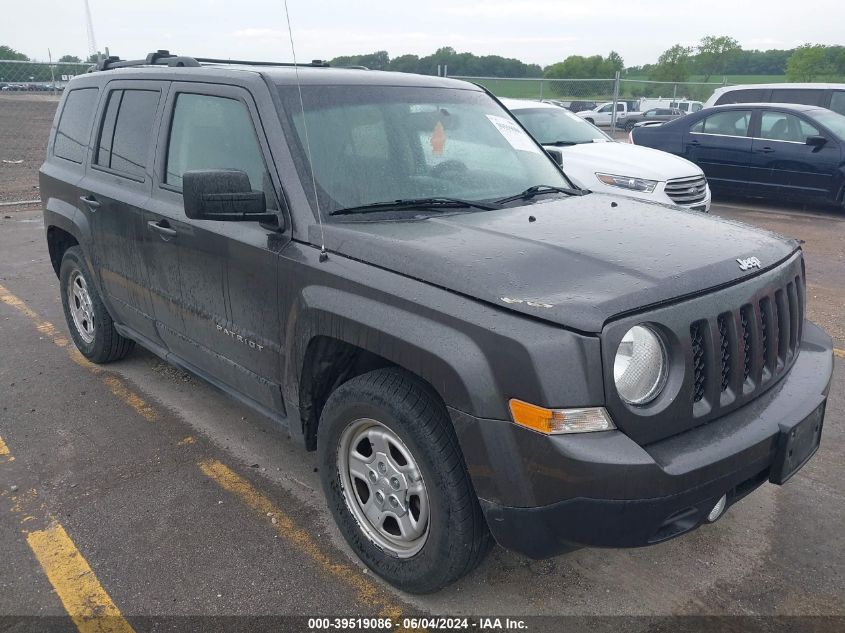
<point>391,267</point>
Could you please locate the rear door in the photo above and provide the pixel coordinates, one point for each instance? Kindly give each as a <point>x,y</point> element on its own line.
<point>784,163</point>
<point>115,190</point>
<point>220,309</point>
<point>721,145</point>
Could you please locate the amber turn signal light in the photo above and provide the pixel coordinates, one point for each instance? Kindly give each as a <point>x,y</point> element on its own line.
<point>557,421</point>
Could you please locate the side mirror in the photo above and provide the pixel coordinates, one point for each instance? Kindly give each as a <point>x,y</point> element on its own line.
<point>223,194</point>
<point>816,141</point>
<point>556,155</point>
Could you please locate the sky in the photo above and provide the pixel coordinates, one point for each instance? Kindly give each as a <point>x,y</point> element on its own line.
<point>535,31</point>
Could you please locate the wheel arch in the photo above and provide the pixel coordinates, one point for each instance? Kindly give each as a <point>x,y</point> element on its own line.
<point>330,346</point>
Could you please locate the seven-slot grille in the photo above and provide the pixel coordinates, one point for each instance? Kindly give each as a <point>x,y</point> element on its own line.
<point>743,349</point>
<point>687,191</point>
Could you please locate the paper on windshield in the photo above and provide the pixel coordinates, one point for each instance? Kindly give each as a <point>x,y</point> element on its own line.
<point>513,134</point>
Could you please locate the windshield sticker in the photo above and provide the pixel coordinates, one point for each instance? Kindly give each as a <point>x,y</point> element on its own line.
<point>513,134</point>
<point>438,139</point>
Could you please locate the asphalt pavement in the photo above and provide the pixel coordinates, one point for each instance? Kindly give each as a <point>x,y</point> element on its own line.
<point>135,490</point>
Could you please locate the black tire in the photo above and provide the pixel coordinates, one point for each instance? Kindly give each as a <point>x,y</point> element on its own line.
<point>107,344</point>
<point>458,538</point>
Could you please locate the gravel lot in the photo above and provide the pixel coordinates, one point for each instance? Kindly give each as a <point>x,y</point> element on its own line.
<point>137,462</point>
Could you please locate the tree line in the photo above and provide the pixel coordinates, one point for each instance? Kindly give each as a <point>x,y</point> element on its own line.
<point>711,59</point>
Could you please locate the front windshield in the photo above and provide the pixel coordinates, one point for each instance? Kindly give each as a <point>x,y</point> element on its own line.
<point>374,144</point>
<point>831,120</point>
<point>557,125</point>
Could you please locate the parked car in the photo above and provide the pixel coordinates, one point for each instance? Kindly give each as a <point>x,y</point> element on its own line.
<point>572,106</point>
<point>602,114</point>
<point>593,160</point>
<point>654,114</point>
<point>684,105</point>
<point>772,150</point>
<point>417,292</point>
<point>831,96</point>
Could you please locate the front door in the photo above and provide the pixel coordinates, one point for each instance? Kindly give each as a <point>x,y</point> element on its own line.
<point>784,162</point>
<point>221,315</point>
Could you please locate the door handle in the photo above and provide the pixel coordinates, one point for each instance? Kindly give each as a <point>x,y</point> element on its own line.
<point>91,201</point>
<point>162,228</point>
<point>695,143</point>
<point>765,150</point>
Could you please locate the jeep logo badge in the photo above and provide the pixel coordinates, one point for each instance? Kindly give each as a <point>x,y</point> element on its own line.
<point>747,264</point>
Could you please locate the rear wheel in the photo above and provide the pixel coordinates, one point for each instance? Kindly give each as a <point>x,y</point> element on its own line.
<point>91,326</point>
<point>395,481</point>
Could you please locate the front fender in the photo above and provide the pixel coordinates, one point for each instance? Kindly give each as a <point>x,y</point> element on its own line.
<point>474,354</point>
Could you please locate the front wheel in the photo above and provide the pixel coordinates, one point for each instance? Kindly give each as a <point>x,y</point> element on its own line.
<point>396,483</point>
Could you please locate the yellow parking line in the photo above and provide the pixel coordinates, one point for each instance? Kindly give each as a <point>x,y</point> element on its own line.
<point>839,352</point>
<point>116,385</point>
<point>135,401</point>
<point>368,592</point>
<point>45,327</point>
<point>86,602</point>
<point>4,449</point>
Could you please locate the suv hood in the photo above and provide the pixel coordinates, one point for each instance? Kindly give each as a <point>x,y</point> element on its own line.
<point>582,261</point>
<point>623,159</point>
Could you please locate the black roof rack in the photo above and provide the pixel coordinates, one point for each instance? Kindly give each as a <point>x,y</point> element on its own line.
<point>166,58</point>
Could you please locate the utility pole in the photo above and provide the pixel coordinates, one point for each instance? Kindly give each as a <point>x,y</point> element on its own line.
<point>92,43</point>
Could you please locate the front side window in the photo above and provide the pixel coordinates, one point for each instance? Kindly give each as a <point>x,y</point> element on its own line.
<point>75,124</point>
<point>209,132</point>
<point>730,123</point>
<point>379,144</point>
<point>780,126</point>
<point>126,130</point>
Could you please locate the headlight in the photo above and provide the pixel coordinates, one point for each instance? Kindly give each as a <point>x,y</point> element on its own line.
<point>639,369</point>
<point>628,182</point>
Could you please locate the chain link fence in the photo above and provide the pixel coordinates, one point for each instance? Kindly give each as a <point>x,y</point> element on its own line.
<point>29,94</point>
<point>28,76</point>
<point>597,90</point>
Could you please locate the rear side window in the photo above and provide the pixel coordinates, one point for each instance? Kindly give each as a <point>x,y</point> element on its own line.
<point>126,131</point>
<point>213,133</point>
<point>75,124</point>
<point>792,95</point>
<point>747,95</point>
<point>731,123</point>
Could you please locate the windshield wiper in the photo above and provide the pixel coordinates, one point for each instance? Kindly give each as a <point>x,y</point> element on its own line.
<point>561,143</point>
<point>406,203</point>
<point>537,190</point>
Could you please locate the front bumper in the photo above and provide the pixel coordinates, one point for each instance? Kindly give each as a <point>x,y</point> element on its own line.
<point>543,495</point>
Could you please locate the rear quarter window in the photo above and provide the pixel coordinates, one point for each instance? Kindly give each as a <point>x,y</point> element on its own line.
<point>75,122</point>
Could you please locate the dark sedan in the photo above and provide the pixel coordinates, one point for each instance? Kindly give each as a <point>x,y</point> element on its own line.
<point>655,114</point>
<point>772,150</point>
